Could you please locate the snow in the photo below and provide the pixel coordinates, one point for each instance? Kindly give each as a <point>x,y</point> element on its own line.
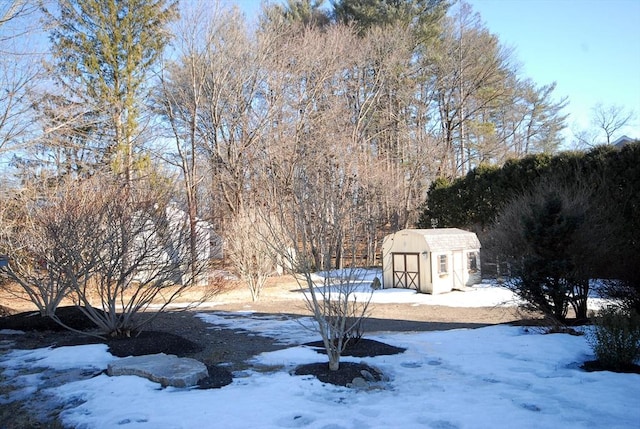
<point>492,377</point>
<point>486,294</point>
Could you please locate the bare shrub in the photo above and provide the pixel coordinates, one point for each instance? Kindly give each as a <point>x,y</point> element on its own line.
<point>34,225</point>
<point>139,256</point>
<point>115,249</point>
<point>252,257</point>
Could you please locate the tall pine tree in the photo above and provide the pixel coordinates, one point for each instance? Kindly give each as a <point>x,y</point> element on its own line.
<point>103,53</point>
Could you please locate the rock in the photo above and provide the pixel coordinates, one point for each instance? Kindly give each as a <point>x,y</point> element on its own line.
<point>359,383</point>
<point>375,284</point>
<point>168,370</point>
<point>368,376</point>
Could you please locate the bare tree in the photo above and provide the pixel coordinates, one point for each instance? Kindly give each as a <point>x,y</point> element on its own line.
<point>179,100</point>
<point>398,130</point>
<point>610,119</point>
<point>28,221</point>
<point>607,120</point>
<point>19,72</point>
<point>332,299</point>
<point>234,112</point>
<point>16,79</point>
<point>470,69</point>
<point>313,196</point>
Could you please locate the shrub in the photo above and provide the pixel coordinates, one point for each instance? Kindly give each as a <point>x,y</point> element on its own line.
<point>615,338</point>
<point>540,241</point>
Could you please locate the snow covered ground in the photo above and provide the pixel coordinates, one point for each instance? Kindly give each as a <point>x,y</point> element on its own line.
<point>494,377</point>
<point>486,294</point>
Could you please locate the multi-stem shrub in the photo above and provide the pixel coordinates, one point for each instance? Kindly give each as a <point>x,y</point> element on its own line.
<point>615,338</point>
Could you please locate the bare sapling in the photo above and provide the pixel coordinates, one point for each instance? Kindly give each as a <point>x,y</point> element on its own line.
<point>252,257</point>
<point>338,310</point>
<point>335,302</point>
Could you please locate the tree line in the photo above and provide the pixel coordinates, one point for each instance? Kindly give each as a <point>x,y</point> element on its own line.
<point>370,101</point>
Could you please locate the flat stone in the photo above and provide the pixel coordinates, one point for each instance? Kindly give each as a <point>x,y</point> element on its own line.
<point>358,383</point>
<point>168,370</point>
<point>367,376</point>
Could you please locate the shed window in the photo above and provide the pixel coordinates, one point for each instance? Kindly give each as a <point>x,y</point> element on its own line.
<point>472,261</point>
<point>442,264</point>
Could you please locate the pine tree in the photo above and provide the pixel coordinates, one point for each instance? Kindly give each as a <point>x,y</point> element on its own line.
<point>103,53</point>
<point>547,278</point>
<point>424,15</point>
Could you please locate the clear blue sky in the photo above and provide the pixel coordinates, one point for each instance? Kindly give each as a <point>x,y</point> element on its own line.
<point>591,48</point>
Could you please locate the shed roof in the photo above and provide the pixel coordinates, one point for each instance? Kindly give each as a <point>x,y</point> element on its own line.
<point>440,239</point>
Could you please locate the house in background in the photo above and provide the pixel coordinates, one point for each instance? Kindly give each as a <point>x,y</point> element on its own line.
<point>209,244</point>
<point>622,142</point>
<point>166,242</point>
<point>431,260</point>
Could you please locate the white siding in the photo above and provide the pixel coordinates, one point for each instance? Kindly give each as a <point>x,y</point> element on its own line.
<point>454,243</point>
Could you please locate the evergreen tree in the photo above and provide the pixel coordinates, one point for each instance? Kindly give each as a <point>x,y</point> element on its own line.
<point>103,53</point>
<point>424,15</point>
<point>547,276</point>
<point>307,13</point>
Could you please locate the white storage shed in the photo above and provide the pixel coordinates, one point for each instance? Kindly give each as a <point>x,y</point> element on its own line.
<point>431,260</point>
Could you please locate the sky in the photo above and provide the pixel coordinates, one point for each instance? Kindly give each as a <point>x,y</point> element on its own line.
<point>590,48</point>
<point>494,377</point>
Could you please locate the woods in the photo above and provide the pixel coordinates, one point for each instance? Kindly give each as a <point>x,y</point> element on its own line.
<point>136,133</point>
<point>387,96</point>
<point>313,130</point>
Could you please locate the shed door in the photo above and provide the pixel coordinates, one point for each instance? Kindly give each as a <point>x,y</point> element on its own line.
<point>406,270</point>
<point>458,269</point>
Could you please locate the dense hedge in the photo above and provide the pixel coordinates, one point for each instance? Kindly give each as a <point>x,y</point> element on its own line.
<point>474,201</point>
<point>611,177</point>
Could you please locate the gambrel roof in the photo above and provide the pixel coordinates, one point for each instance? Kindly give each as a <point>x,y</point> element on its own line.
<point>442,239</point>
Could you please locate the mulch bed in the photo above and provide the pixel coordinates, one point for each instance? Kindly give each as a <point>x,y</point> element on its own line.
<point>46,332</point>
<point>594,365</point>
<point>33,321</point>
<point>362,347</point>
<point>346,373</point>
<point>170,339</point>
